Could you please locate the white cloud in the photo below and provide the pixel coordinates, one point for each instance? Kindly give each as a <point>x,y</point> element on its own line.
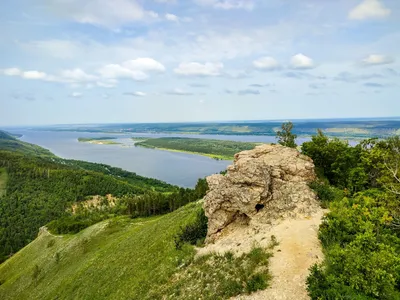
<point>266,63</point>
<point>144,64</point>
<point>100,12</point>
<point>107,77</point>
<point>135,69</point>
<point>300,61</point>
<point>114,71</point>
<point>377,59</point>
<point>107,83</point>
<point>369,9</point>
<point>34,75</point>
<point>171,17</point>
<point>198,69</point>
<point>179,92</point>
<point>25,74</point>
<point>135,94</point>
<point>228,4</point>
<point>77,75</point>
<point>12,72</point>
<point>76,95</point>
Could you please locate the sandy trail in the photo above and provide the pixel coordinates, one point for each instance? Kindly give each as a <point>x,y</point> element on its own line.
<point>298,249</point>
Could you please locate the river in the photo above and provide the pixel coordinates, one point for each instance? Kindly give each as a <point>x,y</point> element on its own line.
<point>180,169</point>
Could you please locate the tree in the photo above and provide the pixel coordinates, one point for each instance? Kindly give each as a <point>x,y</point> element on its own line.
<point>392,165</point>
<point>285,136</point>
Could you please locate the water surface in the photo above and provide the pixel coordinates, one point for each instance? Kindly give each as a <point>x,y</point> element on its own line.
<point>181,169</point>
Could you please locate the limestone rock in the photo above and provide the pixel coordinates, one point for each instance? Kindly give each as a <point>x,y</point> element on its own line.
<point>264,185</point>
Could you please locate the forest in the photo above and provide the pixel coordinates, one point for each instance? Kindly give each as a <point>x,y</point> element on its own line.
<point>361,233</point>
<point>35,190</point>
<point>218,149</point>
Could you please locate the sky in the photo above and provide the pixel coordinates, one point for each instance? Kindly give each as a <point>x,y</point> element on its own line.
<point>133,61</point>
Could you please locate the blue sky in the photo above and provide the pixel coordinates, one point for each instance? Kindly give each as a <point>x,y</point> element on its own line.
<point>100,61</point>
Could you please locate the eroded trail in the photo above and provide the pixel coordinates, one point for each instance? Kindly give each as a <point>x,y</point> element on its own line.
<point>298,249</point>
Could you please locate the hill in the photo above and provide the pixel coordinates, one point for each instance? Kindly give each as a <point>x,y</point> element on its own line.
<point>36,189</point>
<point>10,143</point>
<point>123,258</point>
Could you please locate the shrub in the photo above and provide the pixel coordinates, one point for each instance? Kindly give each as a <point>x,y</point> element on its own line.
<point>257,282</point>
<point>193,233</point>
<point>51,243</point>
<point>36,273</point>
<point>325,192</point>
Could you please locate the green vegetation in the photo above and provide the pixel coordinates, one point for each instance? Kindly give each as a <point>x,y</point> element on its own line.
<point>140,138</point>
<point>194,233</point>
<point>349,129</point>
<point>37,190</point>
<point>10,143</point>
<point>124,258</point>
<point>119,258</point>
<point>3,181</point>
<point>217,149</point>
<point>285,136</point>
<point>360,235</point>
<point>99,141</point>
<point>218,276</point>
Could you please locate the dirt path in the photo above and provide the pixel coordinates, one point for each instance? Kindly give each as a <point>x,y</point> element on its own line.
<point>298,250</point>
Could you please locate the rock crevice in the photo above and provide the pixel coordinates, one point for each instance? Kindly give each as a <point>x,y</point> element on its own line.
<point>264,185</point>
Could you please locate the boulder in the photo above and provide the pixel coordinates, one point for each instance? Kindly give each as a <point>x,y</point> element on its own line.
<point>264,185</point>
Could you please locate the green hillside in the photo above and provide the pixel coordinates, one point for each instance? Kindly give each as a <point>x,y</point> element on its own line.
<point>119,259</point>
<point>123,258</point>
<point>37,189</point>
<point>10,143</point>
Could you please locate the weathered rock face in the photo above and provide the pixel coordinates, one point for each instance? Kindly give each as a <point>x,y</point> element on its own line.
<point>263,185</point>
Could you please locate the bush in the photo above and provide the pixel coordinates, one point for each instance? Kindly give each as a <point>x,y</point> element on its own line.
<point>319,287</point>
<point>326,193</point>
<point>51,243</point>
<point>194,233</point>
<point>257,282</point>
<point>218,276</point>
<point>362,250</point>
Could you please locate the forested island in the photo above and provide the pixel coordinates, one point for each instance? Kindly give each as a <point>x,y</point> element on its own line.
<point>217,149</point>
<point>99,140</point>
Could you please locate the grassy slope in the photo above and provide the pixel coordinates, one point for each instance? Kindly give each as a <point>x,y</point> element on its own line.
<point>3,181</point>
<point>218,149</point>
<point>122,261</point>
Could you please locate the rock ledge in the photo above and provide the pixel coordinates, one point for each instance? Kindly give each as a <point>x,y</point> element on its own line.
<point>263,186</point>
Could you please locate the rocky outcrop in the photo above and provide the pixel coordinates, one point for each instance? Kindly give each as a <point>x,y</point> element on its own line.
<point>264,185</point>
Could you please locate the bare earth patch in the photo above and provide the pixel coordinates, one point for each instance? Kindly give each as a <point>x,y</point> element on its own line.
<point>94,202</point>
<point>298,249</point>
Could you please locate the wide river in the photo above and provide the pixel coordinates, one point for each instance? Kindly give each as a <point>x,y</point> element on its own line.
<point>176,168</point>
